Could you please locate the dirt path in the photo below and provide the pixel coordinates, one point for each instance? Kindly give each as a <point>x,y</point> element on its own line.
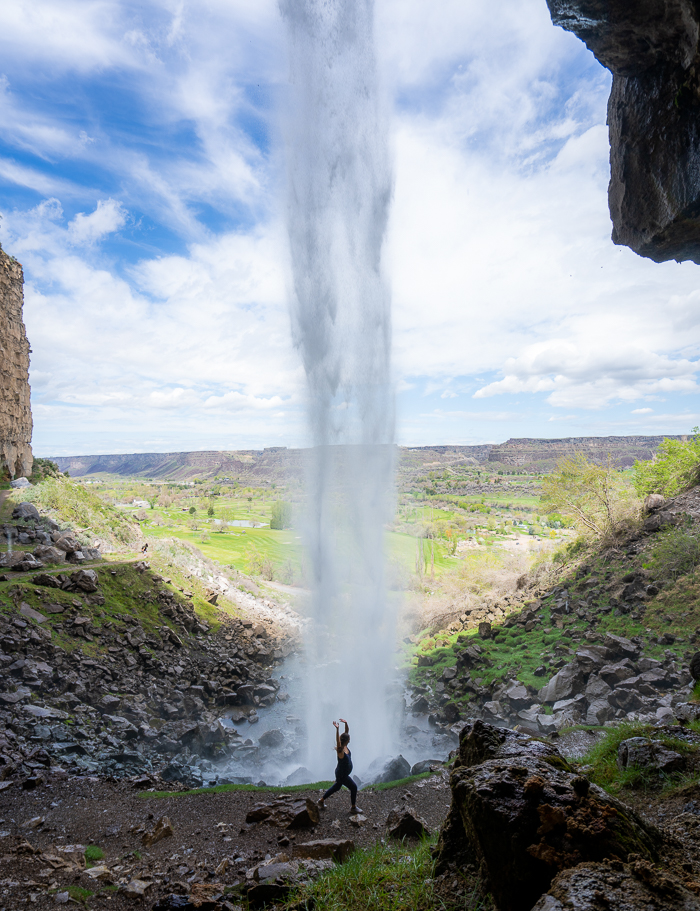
<point>209,829</point>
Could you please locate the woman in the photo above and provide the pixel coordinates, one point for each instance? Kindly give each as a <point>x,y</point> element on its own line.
<point>343,769</point>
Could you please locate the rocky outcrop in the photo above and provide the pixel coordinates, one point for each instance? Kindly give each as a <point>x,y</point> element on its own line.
<point>520,816</point>
<point>651,48</point>
<point>15,410</point>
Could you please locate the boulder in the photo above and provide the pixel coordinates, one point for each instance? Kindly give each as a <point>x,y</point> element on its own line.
<point>425,765</point>
<point>637,887</point>
<point>564,684</point>
<point>273,738</point>
<point>654,501</point>
<point>639,752</point>
<point>694,666</point>
<point>521,817</point>
<point>286,812</point>
<point>518,696</point>
<point>86,580</point>
<point>25,511</point>
<point>46,580</point>
<point>20,483</point>
<point>687,711</point>
<point>49,554</point>
<point>596,689</point>
<point>613,674</point>
<point>404,822</point>
<point>324,849</point>
<point>382,771</point>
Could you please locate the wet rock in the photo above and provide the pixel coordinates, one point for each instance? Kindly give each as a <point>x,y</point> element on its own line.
<point>480,742</point>
<point>425,765</point>
<point>637,887</point>
<point>136,888</point>
<point>404,822</point>
<point>687,711</point>
<point>382,771</point>
<point>273,738</point>
<point>642,753</point>
<point>162,829</point>
<point>694,666</point>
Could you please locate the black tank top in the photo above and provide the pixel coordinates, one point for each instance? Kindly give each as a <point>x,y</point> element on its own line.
<point>344,766</point>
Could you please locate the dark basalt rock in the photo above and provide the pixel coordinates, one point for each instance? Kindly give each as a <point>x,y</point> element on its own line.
<point>522,817</point>
<point>651,47</point>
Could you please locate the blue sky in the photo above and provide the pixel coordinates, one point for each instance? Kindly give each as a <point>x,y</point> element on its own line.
<point>141,187</point>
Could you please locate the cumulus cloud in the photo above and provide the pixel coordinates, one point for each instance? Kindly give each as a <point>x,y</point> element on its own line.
<point>155,255</point>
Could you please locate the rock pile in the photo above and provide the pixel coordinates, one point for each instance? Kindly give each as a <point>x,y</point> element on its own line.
<point>142,701</point>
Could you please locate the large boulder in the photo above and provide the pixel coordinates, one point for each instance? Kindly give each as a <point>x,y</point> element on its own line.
<point>642,753</point>
<point>25,511</point>
<point>523,816</point>
<point>48,554</point>
<point>381,771</point>
<point>568,682</point>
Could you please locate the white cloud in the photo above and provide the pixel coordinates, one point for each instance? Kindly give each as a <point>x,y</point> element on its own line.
<point>109,216</point>
<point>642,411</point>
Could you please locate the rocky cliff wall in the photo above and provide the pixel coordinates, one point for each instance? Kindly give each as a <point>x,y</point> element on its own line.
<point>652,48</point>
<point>15,409</point>
<point>625,450</point>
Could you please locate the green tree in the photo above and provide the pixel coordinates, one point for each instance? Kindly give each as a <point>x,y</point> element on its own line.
<point>675,467</point>
<point>281,516</point>
<point>210,512</point>
<point>595,496</point>
<point>192,510</point>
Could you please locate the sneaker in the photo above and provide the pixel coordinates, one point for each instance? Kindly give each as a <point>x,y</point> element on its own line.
<point>321,805</point>
<point>355,811</point>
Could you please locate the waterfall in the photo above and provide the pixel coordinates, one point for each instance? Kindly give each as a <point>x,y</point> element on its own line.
<point>340,186</point>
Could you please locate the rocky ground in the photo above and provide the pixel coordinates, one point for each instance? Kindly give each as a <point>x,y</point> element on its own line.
<point>208,841</point>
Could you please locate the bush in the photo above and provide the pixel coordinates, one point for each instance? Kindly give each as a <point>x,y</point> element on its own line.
<point>43,468</point>
<point>281,516</point>
<point>596,497</point>
<point>676,552</point>
<point>673,469</point>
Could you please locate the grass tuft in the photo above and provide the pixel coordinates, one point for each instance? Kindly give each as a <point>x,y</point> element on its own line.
<point>225,788</point>
<point>391,877</point>
<point>602,758</point>
<point>93,854</point>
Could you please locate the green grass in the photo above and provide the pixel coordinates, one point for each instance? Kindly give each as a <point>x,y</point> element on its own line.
<point>399,783</point>
<point>392,877</point>
<point>602,760</point>
<point>225,788</point>
<point>93,854</point>
<point>78,894</point>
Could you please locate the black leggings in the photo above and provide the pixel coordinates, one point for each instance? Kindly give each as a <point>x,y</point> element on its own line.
<point>349,784</point>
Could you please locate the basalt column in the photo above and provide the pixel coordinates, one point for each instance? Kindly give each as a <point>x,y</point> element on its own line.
<point>15,409</point>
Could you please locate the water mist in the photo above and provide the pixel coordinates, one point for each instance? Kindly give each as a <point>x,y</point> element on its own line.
<point>340,186</point>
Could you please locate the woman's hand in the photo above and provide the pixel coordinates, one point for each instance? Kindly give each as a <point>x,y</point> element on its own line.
<point>343,720</point>
<point>336,725</point>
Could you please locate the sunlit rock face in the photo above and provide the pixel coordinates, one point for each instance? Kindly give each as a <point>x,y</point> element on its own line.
<point>651,48</point>
<point>15,410</point>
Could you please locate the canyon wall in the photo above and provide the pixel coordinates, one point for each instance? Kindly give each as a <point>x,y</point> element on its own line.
<point>652,49</point>
<point>15,409</point>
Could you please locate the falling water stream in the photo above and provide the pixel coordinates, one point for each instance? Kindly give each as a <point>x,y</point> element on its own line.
<point>339,190</point>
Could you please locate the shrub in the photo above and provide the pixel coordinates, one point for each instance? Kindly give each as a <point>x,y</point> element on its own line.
<point>596,497</point>
<point>676,552</point>
<point>673,469</point>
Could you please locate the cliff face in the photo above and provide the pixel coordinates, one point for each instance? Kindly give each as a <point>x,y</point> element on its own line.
<point>15,410</point>
<point>652,49</point>
<point>624,450</point>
